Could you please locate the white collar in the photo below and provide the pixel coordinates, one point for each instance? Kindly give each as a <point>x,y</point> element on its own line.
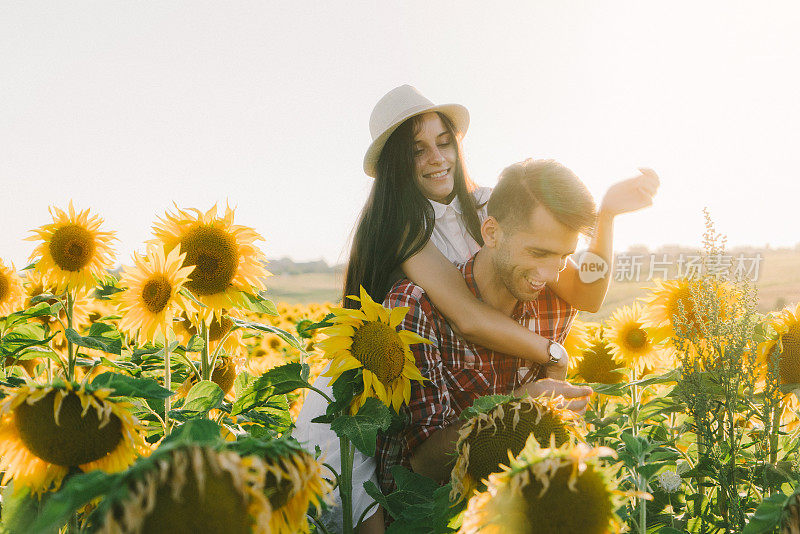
<point>440,209</point>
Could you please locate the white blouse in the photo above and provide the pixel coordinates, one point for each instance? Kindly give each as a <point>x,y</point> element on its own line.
<point>451,237</point>
<point>450,234</point>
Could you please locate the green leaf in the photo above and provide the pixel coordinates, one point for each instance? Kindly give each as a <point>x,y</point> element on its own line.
<point>259,304</point>
<point>484,405</point>
<point>188,294</point>
<point>362,429</point>
<point>195,432</point>
<point>273,415</point>
<point>38,309</point>
<point>195,344</point>
<point>321,324</point>
<point>128,386</point>
<point>204,396</point>
<point>96,339</point>
<point>347,386</point>
<point>20,511</point>
<point>276,381</point>
<point>283,334</point>
<point>73,495</point>
<point>107,289</point>
<point>418,504</point>
<point>242,382</point>
<point>632,445</point>
<point>767,515</point>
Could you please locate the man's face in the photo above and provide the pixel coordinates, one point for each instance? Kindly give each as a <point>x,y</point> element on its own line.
<point>527,258</point>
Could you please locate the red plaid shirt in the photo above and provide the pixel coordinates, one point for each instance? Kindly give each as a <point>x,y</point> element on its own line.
<point>458,371</point>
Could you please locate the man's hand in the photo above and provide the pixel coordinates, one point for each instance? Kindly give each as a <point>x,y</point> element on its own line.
<point>631,194</point>
<point>575,397</point>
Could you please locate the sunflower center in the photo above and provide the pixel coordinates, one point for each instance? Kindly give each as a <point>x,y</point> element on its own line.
<point>77,440</point>
<point>215,257</point>
<point>279,492</point>
<point>72,247</point>
<point>588,509</point>
<point>598,365</point>
<point>489,448</point>
<point>156,293</point>
<point>5,287</point>
<point>224,374</point>
<point>636,338</point>
<point>789,363</point>
<point>378,347</point>
<point>216,509</point>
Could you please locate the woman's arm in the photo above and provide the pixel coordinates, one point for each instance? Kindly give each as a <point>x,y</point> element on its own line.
<point>473,320</point>
<point>623,197</point>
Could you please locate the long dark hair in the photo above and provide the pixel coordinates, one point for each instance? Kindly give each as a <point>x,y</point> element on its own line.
<point>397,220</point>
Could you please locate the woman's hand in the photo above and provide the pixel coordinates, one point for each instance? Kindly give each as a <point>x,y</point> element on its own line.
<point>631,194</point>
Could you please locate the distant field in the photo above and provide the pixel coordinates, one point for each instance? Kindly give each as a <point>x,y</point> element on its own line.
<point>778,285</point>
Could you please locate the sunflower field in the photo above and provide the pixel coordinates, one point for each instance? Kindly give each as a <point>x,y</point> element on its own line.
<point>161,398</point>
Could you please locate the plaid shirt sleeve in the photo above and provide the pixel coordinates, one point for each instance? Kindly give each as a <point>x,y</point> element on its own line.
<point>429,408</point>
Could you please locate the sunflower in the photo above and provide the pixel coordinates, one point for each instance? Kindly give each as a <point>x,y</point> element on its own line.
<point>688,308</point>
<point>368,339</point>
<point>488,440</point>
<point>547,490</point>
<point>73,251</point>
<point>597,364</point>
<point>192,489</point>
<point>578,338</point>
<point>293,482</point>
<point>223,255</point>
<point>631,341</point>
<point>152,297</point>
<point>785,343</point>
<point>12,296</point>
<point>46,430</point>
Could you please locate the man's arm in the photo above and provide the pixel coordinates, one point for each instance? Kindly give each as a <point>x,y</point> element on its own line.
<point>623,197</point>
<point>435,457</point>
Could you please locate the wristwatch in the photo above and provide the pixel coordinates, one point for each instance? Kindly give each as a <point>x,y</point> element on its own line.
<point>556,351</point>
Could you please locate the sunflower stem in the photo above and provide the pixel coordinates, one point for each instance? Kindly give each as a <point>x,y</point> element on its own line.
<point>641,483</point>
<point>70,346</point>
<point>773,440</point>
<point>205,370</point>
<point>346,484</point>
<point>218,349</point>
<point>167,380</point>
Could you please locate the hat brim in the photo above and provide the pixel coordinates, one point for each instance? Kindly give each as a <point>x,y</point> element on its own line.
<point>457,113</point>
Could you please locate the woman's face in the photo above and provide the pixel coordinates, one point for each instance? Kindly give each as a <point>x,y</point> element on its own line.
<point>435,158</point>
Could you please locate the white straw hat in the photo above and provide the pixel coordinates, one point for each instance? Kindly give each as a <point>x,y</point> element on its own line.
<point>395,107</point>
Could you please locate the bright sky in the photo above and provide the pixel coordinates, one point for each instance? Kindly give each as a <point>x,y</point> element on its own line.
<point>126,107</point>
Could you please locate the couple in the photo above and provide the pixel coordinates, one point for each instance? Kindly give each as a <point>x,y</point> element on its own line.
<point>517,296</point>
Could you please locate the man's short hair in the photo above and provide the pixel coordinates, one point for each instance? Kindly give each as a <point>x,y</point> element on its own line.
<point>547,183</point>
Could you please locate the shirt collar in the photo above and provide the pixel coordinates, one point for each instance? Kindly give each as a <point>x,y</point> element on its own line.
<point>440,209</point>
<point>521,309</point>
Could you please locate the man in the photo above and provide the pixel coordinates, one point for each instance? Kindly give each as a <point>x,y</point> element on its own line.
<point>535,215</point>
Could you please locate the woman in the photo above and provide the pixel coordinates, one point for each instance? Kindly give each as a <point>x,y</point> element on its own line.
<point>423,216</point>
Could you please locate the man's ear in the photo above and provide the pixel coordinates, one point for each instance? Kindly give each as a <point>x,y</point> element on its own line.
<point>491,232</point>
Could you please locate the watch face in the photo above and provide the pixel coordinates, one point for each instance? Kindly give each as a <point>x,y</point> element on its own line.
<point>556,351</point>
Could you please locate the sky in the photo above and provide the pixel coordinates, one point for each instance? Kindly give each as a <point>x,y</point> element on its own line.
<point>130,107</point>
